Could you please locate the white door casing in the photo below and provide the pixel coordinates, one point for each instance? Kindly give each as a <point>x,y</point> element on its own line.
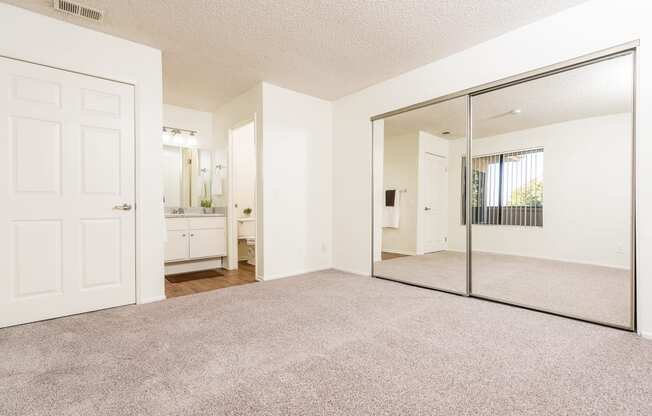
<point>435,207</point>
<point>67,160</point>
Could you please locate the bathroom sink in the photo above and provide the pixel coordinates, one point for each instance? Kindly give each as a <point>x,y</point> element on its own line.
<point>194,214</point>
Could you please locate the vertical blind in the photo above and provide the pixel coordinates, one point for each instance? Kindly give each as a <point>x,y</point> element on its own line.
<point>506,189</point>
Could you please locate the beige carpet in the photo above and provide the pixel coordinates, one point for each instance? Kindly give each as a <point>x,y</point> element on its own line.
<point>327,343</point>
<point>590,292</point>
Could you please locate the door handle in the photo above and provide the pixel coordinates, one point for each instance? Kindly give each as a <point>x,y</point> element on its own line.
<point>123,207</point>
<point>426,209</point>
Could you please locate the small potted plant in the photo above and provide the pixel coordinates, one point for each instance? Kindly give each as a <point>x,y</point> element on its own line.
<point>206,201</point>
<point>247,211</point>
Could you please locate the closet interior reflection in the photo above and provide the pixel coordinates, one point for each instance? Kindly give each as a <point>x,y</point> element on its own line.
<point>550,194</point>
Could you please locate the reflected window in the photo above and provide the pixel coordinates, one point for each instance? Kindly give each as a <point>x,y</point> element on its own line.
<point>507,189</point>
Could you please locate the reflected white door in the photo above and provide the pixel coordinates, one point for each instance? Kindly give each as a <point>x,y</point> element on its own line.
<point>67,160</point>
<point>435,208</point>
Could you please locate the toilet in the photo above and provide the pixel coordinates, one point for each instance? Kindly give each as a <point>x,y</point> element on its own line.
<point>251,251</point>
<point>247,236</point>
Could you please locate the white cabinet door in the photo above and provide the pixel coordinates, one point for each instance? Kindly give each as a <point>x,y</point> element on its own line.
<point>207,243</point>
<point>176,248</point>
<point>67,154</point>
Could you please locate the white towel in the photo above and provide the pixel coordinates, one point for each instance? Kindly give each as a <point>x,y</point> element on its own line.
<point>392,215</point>
<point>216,183</point>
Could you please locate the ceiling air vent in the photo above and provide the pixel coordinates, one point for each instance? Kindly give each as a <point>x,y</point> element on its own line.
<point>76,9</point>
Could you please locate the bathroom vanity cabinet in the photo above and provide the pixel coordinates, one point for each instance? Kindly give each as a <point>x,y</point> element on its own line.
<point>190,239</point>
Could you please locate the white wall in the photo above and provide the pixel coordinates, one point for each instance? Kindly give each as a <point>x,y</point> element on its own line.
<point>587,28</point>
<point>400,172</point>
<point>586,211</point>
<point>403,168</point>
<point>294,177</point>
<point>36,38</point>
<point>297,182</point>
<point>189,119</point>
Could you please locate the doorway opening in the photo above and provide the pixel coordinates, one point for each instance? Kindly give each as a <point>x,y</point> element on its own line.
<point>242,197</point>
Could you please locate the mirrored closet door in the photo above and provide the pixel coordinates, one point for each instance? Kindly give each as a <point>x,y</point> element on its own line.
<point>551,192</point>
<point>547,195</point>
<point>418,236</point>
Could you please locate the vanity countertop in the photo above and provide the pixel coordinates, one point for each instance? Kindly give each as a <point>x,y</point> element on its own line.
<point>193,215</point>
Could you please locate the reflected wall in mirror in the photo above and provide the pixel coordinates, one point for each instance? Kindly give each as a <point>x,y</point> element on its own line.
<point>188,177</point>
<point>552,191</point>
<point>418,233</point>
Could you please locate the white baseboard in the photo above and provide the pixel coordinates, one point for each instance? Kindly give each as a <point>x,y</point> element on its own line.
<point>645,334</point>
<point>152,299</point>
<point>355,272</point>
<point>294,273</point>
<point>505,253</point>
<point>192,266</point>
<point>398,251</point>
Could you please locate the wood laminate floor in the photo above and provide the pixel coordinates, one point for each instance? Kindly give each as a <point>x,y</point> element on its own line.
<point>203,281</point>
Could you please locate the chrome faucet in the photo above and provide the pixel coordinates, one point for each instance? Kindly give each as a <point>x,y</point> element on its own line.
<point>177,211</point>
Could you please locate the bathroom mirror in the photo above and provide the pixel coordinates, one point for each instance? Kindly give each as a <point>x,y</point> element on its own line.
<point>188,177</point>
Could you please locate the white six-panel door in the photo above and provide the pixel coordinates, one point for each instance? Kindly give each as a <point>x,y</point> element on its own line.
<point>66,163</point>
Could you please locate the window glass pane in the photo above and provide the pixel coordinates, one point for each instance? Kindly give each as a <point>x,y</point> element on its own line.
<point>507,188</point>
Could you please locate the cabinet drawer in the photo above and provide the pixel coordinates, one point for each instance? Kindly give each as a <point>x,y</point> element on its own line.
<point>207,223</point>
<point>176,224</point>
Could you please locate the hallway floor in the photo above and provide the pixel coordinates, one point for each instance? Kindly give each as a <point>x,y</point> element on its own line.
<point>197,282</point>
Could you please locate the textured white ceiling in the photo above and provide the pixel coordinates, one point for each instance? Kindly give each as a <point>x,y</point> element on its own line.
<point>594,90</point>
<point>214,50</point>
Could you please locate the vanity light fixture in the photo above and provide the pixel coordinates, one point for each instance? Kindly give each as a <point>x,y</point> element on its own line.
<point>180,137</point>
<point>192,140</point>
<point>166,137</point>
